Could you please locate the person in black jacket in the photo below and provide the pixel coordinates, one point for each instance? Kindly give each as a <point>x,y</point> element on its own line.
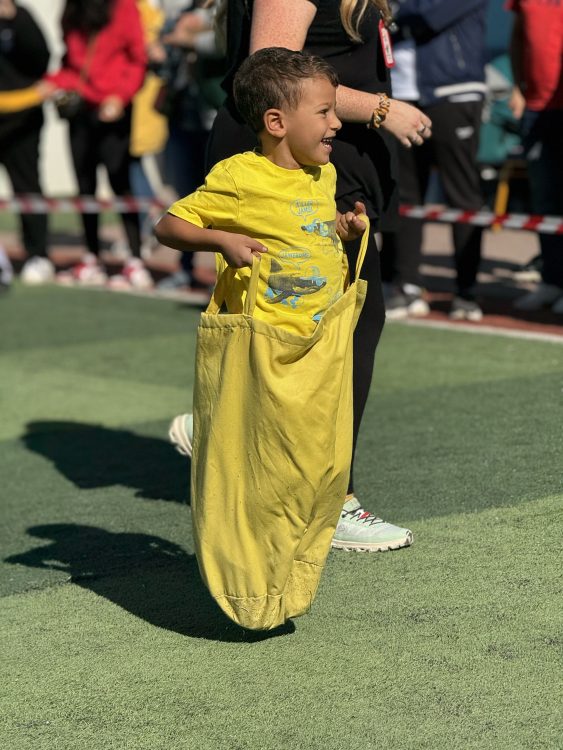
<point>24,57</point>
<point>353,36</point>
<point>440,55</point>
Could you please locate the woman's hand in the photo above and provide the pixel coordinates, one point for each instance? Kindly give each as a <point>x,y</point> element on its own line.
<point>156,53</point>
<point>8,9</point>
<point>407,123</point>
<point>349,226</point>
<point>517,103</point>
<point>111,109</point>
<point>184,33</point>
<point>45,89</point>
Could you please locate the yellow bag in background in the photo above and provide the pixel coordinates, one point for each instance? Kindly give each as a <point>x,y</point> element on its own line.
<point>272,452</point>
<point>149,128</point>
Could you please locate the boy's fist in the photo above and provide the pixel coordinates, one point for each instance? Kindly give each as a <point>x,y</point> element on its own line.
<point>239,250</point>
<point>349,226</point>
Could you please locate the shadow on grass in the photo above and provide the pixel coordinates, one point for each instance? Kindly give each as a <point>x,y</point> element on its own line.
<point>91,456</point>
<point>147,576</point>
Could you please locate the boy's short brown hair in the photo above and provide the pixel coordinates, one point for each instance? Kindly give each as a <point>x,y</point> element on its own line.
<point>271,78</point>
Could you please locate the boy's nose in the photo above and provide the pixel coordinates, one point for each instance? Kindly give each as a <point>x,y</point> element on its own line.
<point>335,124</point>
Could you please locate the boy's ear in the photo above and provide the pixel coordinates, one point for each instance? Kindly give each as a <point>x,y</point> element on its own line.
<point>274,123</point>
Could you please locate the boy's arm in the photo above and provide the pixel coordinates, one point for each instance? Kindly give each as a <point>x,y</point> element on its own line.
<point>237,249</point>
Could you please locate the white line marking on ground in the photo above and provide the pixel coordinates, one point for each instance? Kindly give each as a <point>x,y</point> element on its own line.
<point>483,329</point>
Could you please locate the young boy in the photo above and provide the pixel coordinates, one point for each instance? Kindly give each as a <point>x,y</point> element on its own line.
<point>278,201</point>
<point>276,204</point>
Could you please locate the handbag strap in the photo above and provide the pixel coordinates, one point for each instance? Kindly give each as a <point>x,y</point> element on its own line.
<point>228,275</point>
<point>84,70</point>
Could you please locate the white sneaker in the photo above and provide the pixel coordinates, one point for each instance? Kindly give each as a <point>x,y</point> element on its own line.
<point>465,309</point>
<point>544,296</point>
<point>6,270</point>
<point>181,433</point>
<point>133,276</point>
<point>37,270</point>
<point>361,531</point>
<point>88,272</point>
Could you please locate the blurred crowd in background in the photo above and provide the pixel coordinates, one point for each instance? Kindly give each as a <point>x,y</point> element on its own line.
<point>140,84</point>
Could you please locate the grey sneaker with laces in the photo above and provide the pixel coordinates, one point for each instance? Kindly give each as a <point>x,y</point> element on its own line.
<point>361,531</point>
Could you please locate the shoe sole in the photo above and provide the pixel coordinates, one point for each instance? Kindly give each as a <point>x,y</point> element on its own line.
<point>527,276</point>
<point>376,547</point>
<point>398,313</point>
<point>178,436</point>
<point>67,280</point>
<point>471,317</point>
<point>418,309</point>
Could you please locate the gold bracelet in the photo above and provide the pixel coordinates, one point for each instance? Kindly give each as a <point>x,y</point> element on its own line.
<point>380,112</point>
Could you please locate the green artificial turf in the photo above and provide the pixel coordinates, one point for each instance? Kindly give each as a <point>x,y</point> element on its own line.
<point>109,639</point>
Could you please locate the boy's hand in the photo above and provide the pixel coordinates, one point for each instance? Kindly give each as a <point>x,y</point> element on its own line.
<point>349,226</point>
<point>239,250</point>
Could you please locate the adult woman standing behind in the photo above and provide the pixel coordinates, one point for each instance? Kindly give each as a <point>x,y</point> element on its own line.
<point>352,36</point>
<point>105,63</point>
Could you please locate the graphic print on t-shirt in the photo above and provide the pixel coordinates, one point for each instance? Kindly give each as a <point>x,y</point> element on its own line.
<point>292,275</point>
<point>288,287</point>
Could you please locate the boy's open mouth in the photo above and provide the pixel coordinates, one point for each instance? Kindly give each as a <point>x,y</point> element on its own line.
<point>327,142</point>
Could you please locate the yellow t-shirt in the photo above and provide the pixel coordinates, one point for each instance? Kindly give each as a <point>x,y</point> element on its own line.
<point>293,213</point>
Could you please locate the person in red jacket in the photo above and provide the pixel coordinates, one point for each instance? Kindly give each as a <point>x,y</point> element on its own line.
<point>537,101</point>
<point>105,62</point>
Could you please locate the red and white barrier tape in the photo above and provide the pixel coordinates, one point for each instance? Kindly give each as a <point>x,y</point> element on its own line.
<point>541,224</point>
<point>35,204</point>
<point>87,204</point>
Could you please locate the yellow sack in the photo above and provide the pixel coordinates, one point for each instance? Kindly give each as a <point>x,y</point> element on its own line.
<point>272,452</point>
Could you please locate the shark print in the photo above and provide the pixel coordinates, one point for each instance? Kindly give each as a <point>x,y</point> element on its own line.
<point>286,287</point>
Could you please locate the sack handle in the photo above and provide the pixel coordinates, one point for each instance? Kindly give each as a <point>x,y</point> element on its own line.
<point>228,275</point>
<point>223,282</point>
<point>363,246</point>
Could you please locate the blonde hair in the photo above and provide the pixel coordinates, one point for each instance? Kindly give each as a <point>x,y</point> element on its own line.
<point>351,14</point>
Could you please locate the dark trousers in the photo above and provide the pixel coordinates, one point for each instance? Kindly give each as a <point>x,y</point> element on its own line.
<point>543,143</point>
<point>453,151</point>
<point>184,167</point>
<point>19,153</point>
<point>92,143</point>
<point>229,137</point>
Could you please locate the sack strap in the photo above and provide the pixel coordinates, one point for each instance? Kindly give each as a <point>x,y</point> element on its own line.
<point>222,285</point>
<point>363,246</point>
<point>228,275</point>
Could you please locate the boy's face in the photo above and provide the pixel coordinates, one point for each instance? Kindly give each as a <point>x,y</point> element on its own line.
<point>311,127</point>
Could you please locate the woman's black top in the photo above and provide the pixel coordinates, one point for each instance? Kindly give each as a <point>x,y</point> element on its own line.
<point>365,160</point>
